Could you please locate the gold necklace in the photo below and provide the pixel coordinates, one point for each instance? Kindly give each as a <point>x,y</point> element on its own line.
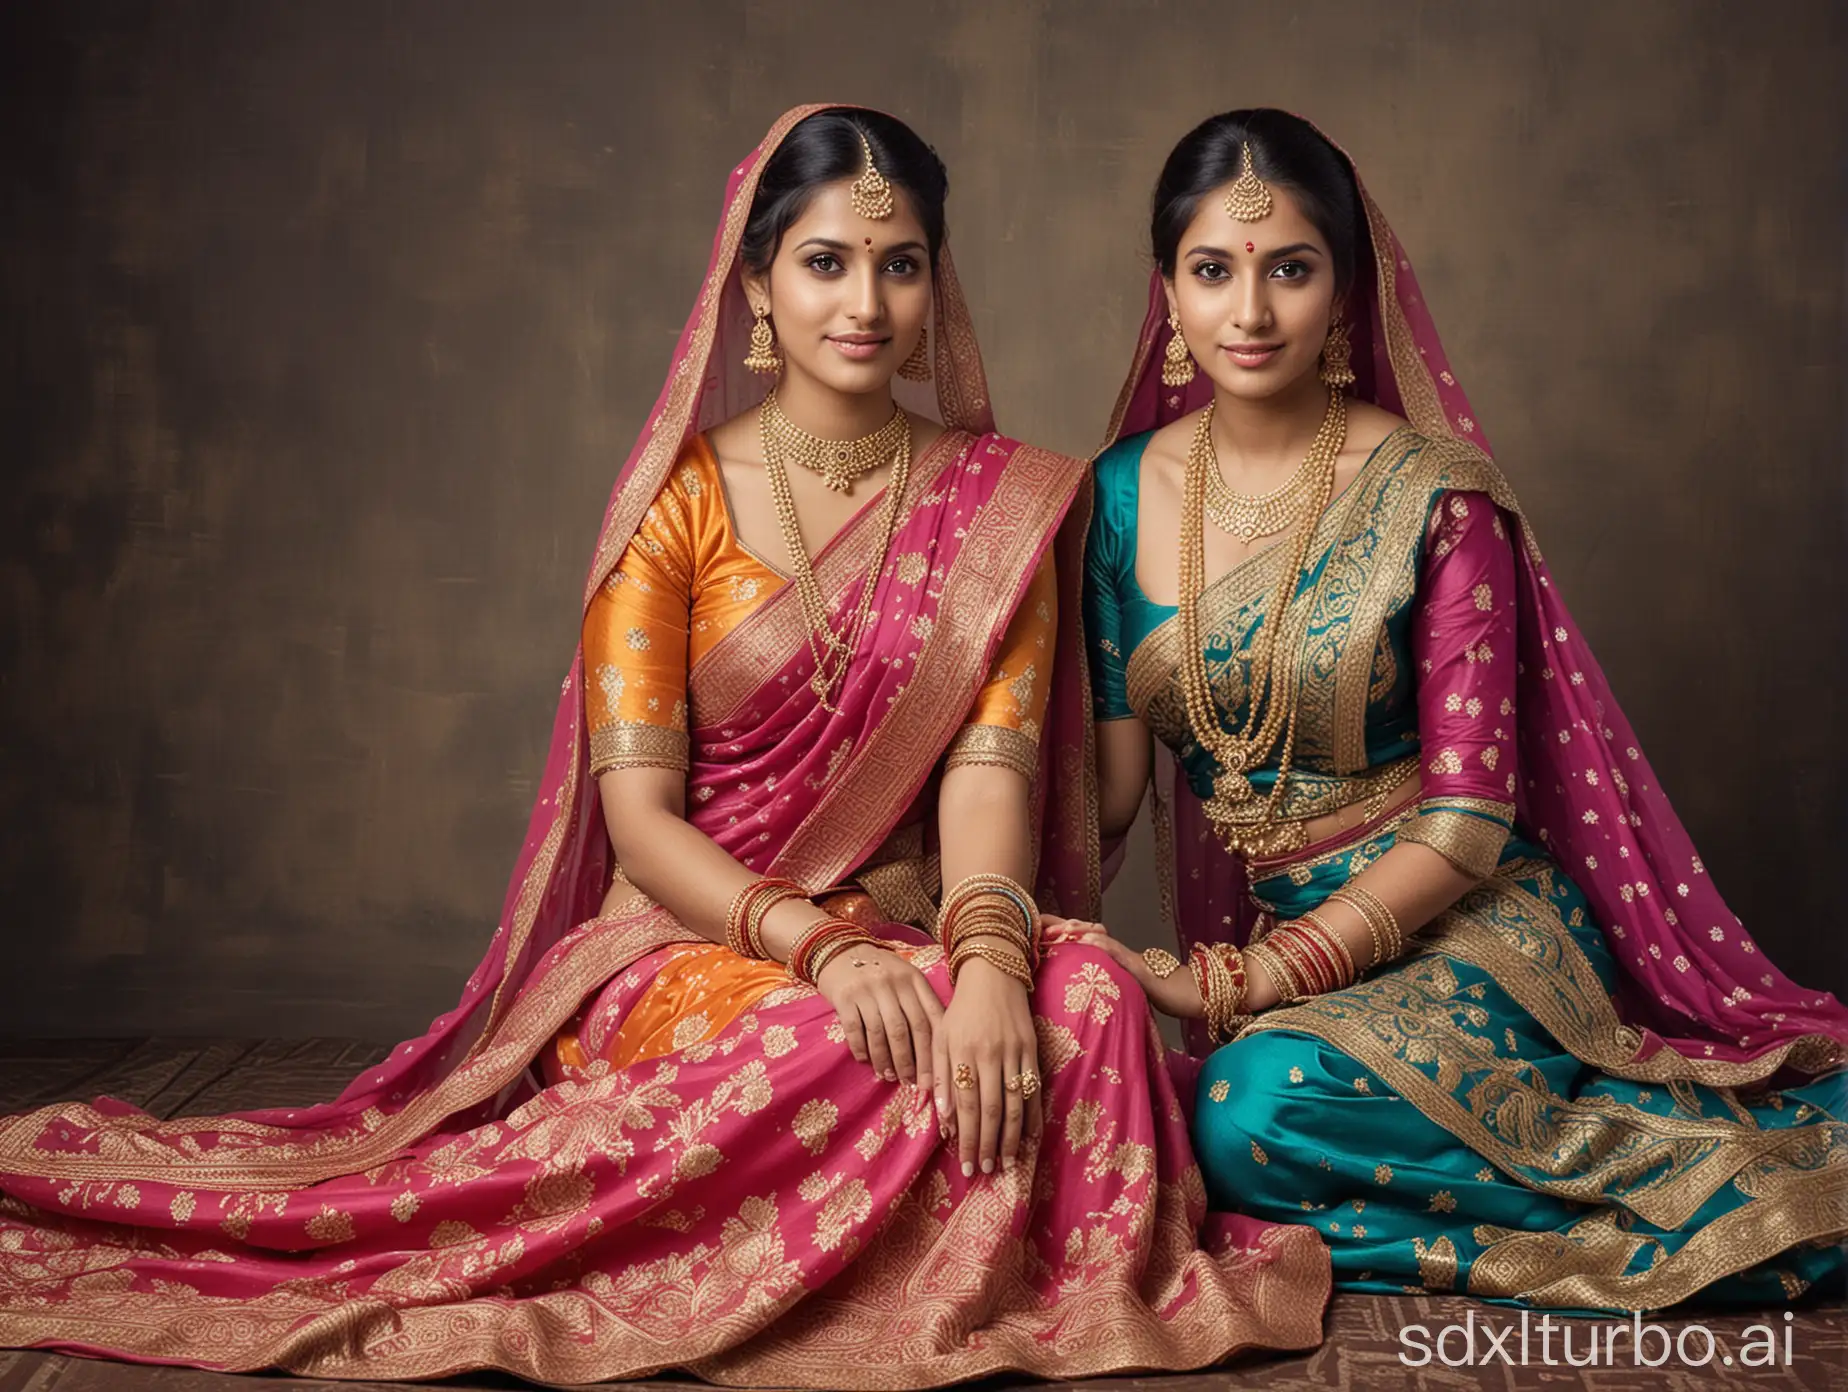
<point>831,651</point>
<point>1268,713</point>
<point>1248,516</point>
<point>842,463</point>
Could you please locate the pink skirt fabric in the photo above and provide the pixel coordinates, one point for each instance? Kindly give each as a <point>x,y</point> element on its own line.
<point>755,1208</point>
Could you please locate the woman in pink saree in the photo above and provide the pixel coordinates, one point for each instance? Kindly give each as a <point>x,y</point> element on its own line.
<point>1466,997</point>
<point>766,1074</point>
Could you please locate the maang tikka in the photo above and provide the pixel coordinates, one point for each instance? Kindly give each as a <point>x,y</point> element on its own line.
<point>1249,198</point>
<point>871,194</point>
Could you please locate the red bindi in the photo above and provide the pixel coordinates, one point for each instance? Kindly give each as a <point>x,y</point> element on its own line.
<point>1249,247</point>
<point>869,243</point>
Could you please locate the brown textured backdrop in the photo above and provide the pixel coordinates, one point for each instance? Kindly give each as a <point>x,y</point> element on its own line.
<point>326,327</point>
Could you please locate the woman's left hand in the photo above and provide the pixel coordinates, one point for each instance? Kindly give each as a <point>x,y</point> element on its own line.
<point>986,1052</point>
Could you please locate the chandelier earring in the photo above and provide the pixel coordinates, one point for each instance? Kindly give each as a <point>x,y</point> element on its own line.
<point>1177,368</point>
<point>1337,356</point>
<point>763,356</point>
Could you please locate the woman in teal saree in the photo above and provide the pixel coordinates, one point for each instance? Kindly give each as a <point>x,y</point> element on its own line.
<point>1465,997</point>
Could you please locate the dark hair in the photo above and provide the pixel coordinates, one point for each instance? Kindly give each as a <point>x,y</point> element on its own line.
<point>1285,150</point>
<point>825,148</point>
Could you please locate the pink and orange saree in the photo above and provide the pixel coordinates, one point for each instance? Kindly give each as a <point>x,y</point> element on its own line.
<point>753,1206</point>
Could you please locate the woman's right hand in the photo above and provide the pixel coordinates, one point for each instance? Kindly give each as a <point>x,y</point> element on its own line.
<point>888,1009</point>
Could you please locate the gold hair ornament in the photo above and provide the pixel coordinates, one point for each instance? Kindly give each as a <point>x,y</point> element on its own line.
<point>1249,198</point>
<point>871,194</point>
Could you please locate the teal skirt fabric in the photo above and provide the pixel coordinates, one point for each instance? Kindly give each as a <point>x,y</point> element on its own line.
<point>1440,1135</point>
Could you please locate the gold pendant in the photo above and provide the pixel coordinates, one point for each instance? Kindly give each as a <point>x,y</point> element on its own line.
<point>1232,786</point>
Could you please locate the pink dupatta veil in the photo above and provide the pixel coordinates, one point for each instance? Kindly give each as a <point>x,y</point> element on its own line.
<point>1695,983</point>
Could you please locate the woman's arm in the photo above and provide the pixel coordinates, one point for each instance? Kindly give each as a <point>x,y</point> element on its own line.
<point>985,827</point>
<point>1124,757</point>
<point>1463,655</point>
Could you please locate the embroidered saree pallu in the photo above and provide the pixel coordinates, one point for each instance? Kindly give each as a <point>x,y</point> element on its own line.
<point>1585,1086</point>
<point>627,1149</point>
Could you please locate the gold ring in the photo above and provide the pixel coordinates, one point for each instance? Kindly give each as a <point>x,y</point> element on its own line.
<point>965,1076</point>
<point>1162,962</point>
<point>1029,1083</point>
<point>1012,1085</point>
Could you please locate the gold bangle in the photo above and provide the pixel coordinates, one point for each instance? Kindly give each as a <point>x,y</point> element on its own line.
<point>1008,963</point>
<point>1002,886</point>
<point>1281,978</point>
<point>1338,944</point>
<point>760,909</point>
<point>1382,923</point>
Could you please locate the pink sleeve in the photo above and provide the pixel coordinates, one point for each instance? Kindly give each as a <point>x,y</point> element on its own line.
<point>1463,654</point>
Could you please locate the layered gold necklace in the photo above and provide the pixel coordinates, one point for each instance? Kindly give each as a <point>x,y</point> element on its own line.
<point>833,651</point>
<point>842,463</point>
<point>1271,705</point>
<point>1249,516</point>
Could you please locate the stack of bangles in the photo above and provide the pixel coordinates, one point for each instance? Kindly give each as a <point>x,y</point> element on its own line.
<point>1306,957</point>
<point>1219,972</point>
<point>818,945</point>
<point>980,915</point>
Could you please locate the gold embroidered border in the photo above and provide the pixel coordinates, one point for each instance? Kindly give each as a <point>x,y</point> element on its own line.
<point>764,642</point>
<point>1472,844</point>
<point>995,744</point>
<point>989,574</point>
<point>636,744</point>
<point>1586,1268</point>
<point>1565,995</point>
<point>608,945</point>
<point>906,891</point>
<point>1589,1145</point>
<point>1432,467</point>
<point>1182,1308</point>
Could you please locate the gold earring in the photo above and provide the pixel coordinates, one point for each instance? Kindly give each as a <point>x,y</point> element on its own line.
<point>916,368</point>
<point>1338,356</point>
<point>1177,368</point>
<point>763,356</point>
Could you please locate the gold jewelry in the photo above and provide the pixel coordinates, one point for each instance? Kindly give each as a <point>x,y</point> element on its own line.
<point>974,897</point>
<point>1009,964</point>
<point>1270,711</point>
<point>763,355</point>
<point>832,652</point>
<point>1177,367</point>
<point>1337,356</point>
<point>1012,1084</point>
<point>1382,923</point>
<point>843,463</point>
<point>965,1077</point>
<point>1162,963</point>
<point>1029,1084</point>
<point>1249,516</point>
<point>871,194</point>
<point>1249,197</point>
<point>916,367</point>
<point>1315,924</point>
<point>1281,977</point>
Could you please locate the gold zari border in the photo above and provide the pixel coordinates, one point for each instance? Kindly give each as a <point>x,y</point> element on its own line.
<point>1473,844</point>
<point>636,744</point>
<point>995,744</point>
<point>1590,1150</point>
